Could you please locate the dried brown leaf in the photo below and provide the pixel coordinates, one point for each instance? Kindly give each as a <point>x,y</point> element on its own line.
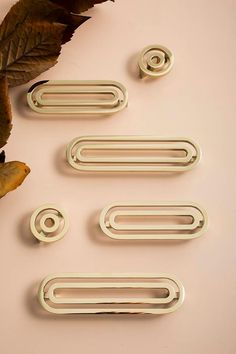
<point>32,50</point>
<point>78,6</point>
<point>2,157</point>
<point>12,174</point>
<point>5,112</point>
<point>22,12</point>
<point>31,36</point>
<point>72,21</point>
<point>38,10</point>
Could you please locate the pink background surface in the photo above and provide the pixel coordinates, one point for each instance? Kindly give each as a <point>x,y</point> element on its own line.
<point>197,99</point>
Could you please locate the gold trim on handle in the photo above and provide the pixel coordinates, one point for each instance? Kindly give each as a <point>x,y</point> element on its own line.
<point>77,97</point>
<point>132,154</point>
<point>74,293</point>
<point>153,221</point>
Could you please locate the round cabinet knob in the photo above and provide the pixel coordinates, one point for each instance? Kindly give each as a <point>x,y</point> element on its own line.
<point>49,223</point>
<point>155,61</point>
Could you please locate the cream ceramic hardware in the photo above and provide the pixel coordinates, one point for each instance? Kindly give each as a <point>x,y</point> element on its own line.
<point>75,293</point>
<point>49,223</point>
<point>155,61</point>
<point>77,97</point>
<point>132,154</point>
<point>153,221</point>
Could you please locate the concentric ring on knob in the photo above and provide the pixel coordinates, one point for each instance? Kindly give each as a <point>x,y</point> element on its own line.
<point>155,61</point>
<point>49,223</point>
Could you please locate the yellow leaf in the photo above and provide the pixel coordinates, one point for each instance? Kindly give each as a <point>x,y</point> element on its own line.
<point>12,174</point>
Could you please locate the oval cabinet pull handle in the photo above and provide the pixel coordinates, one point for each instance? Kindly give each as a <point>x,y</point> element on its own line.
<point>74,293</point>
<point>153,221</point>
<point>132,154</point>
<point>77,97</point>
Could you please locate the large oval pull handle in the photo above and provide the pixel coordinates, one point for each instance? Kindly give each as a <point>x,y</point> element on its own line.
<point>132,154</point>
<point>76,293</point>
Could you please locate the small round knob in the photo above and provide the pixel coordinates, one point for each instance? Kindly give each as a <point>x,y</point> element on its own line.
<point>155,61</point>
<point>49,223</point>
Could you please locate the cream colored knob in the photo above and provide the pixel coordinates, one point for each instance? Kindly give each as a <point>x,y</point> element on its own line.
<point>155,61</point>
<point>49,223</point>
